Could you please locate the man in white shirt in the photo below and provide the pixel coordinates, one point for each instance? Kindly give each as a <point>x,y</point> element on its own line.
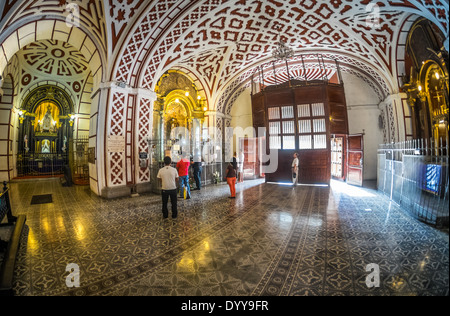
<point>168,178</point>
<point>295,169</point>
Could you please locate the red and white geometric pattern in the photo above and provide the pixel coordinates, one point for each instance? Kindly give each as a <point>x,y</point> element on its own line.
<point>55,58</point>
<point>116,160</point>
<point>169,49</point>
<point>120,13</point>
<point>90,14</point>
<point>130,59</point>
<point>129,139</point>
<point>144,134</point>
<point>351,65</point>
<point>219,40</point>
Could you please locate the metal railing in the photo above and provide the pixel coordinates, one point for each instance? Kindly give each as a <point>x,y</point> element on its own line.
<point>414,174</point>
<point>80,163</point>
<point>49,164</point>
<point>5,212</point>
<point>5,205</point>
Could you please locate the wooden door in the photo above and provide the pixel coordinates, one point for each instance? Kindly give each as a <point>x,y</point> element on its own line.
<point>355,159</point>
<point>249,146</point>
<point>338,152</point>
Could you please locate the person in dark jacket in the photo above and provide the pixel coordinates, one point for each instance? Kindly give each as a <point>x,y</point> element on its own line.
<point>234,162</point>
<point>196,164</point>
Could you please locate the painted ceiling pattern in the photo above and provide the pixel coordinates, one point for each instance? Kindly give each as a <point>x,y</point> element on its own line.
<point>90,12</point>
<point>120,13</point>
<point>55,58</point>
<point>50,59</point>
<point>218,41</point>
<point>347,64</point>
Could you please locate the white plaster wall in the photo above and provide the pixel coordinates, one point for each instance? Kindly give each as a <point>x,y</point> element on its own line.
<point>241,116</point>
<point>363,112</point>
<point>94,139</point>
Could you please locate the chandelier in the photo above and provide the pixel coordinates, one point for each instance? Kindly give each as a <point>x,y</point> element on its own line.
<point>282,51</point>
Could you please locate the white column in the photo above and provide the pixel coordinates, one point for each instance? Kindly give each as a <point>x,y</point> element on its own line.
<point>142,134</point>
<point>128,116</point>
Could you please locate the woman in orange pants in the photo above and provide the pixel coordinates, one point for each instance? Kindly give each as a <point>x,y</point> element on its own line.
<point>231,180</point>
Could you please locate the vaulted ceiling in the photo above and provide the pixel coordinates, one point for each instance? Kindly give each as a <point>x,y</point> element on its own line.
<point>218,43</point>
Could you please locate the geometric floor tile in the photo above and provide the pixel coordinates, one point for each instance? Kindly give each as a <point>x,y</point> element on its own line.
<point>271,240</point>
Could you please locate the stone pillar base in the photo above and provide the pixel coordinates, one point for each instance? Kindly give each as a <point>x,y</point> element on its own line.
<point>115,192</point>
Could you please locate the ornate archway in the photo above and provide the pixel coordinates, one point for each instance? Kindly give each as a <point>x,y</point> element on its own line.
<point>426,82</point>
<point>45,131</point>
<point>182,113</point>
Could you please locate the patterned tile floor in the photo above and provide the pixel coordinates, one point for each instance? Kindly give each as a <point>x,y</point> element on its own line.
<point>271,240</point>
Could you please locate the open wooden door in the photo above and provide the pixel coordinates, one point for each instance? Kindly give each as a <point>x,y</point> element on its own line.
<point>249,147</point>
<point>355,159</point>
<point>338,154</point>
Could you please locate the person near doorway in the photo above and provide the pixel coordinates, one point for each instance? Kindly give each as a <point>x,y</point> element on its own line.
<point>197,166</point>
<point>295,169</point>
<point>183,174</point>
<point>241,166</point>
<point>234,162</point>
<point>168,177</point>
<point>231,180</point>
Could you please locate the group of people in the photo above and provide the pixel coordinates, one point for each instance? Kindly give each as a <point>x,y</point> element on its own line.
<point>169,176</point>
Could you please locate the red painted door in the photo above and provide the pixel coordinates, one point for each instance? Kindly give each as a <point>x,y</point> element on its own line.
<point>355,159</point>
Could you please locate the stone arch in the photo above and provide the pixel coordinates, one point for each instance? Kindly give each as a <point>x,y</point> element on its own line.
<point>7,91</point>
<point>178,96</point>
<point>53,29</point>
<point>61,86</point>
<point>7,116</point>
<point>174,84</point>
<point>46,93</point>
<point>381,85</point>
<point>25,30</point>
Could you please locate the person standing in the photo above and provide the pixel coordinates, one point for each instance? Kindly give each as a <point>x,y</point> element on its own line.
<point>197,165</point>
<point>168,177</point>
<point>234,162</point>
<point>231,180</point>
<point>241,166</point>
<point>295,169</point>
<point>183,174</point>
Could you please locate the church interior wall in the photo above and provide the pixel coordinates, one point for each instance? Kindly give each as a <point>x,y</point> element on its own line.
<point>241,116</point>
<point>7,118</point>
<point>103,108</point>
<point>93,120</point>
<point>32,66</point>
<point>363,113</point>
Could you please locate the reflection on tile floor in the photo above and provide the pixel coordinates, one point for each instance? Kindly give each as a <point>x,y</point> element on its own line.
<point>270,240</point>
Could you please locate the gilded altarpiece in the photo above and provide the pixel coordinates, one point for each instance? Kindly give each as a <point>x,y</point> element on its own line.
<point>45,132</point>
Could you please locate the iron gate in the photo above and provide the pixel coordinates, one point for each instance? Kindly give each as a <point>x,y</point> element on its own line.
<point>79,164</point>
